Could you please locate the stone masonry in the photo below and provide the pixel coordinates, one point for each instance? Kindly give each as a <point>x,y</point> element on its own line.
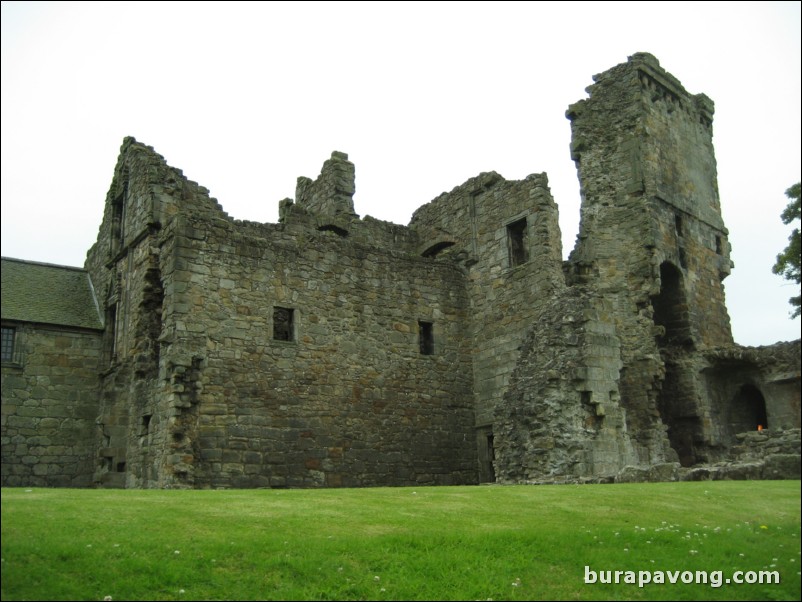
<point>332,351</point>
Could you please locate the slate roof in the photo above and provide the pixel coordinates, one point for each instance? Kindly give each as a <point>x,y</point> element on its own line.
<point>47,294</point>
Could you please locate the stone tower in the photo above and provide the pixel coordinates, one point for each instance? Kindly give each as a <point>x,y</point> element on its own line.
<point>651,216</point>
<point>652,238</point>
<point>631,361</point>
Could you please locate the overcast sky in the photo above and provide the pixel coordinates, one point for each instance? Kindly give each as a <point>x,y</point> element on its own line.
<point>246,97</point>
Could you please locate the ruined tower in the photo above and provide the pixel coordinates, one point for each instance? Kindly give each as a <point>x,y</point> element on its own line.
<point>633,362</point>
<point>652,236</point>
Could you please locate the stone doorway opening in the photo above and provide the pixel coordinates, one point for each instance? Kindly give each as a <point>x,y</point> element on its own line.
<point>748,410</point>
<point>487,454</point>
<point>671,309</point>
<point>678,399</point>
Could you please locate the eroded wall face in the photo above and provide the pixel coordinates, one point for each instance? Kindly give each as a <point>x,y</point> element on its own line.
<point>50,395</point>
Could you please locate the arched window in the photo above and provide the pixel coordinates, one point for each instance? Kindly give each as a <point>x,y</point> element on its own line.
<point>671,308</point>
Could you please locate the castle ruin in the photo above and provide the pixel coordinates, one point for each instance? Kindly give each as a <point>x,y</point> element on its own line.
<point>194,350</point>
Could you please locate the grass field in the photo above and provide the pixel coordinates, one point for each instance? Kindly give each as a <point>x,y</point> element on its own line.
<point>438,543</point>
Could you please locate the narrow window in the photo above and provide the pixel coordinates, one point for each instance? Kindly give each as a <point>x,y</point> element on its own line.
<point>7,343</point>
<point>426,334</point>
<point>283,324</point>
<point>111,333</point>
<point>145,430</point>
<point>118,219</point>
<point>516,240</point>
<point>719,247</point>
<point>678,224</point>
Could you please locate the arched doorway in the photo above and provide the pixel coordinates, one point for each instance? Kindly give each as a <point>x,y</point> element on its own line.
<point>748,410</point>
<point>677,402</point>
<point>671,309</point>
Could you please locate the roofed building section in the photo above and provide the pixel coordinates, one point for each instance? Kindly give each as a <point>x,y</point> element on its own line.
<point>48,294</point>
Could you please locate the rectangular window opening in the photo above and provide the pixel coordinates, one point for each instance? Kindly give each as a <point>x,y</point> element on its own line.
<point>283,327</point>
<point>719,246</point>
<point>516,240</point>
<point>426,335</point>
<point>7,343</point>
<point>678,224</point>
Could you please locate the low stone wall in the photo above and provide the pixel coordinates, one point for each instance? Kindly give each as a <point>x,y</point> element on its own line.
<point>766,454</point>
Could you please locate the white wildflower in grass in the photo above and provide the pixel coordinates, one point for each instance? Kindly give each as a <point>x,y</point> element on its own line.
<point>382,590</point>
<point>107,599</point>
<point>626,549</point>
<point>377,578</point>
<point>181,591</point>
<point>177,552</point>
<point>693,552</point>
<point>517,582</point>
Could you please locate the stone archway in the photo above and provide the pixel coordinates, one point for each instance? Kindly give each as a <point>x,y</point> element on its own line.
<point>748,410</point>
<point>677,402</point>
<point>671,309</point>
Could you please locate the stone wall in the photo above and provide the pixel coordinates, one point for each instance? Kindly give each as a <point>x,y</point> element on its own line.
<point>213,390</point>
<point>49,408</point>
<point>349,399</point>
<point>505,235</point>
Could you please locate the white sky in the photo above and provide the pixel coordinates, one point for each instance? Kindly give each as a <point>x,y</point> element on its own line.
<point>246,97</point>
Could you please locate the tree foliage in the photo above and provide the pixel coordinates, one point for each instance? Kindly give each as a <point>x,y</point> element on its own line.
<point>788,261</point>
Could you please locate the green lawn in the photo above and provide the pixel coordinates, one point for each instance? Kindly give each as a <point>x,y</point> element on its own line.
<point>429,543</point>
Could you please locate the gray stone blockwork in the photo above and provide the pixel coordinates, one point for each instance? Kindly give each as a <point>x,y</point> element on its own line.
<point>49,408</point>
<point>333,351</point>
